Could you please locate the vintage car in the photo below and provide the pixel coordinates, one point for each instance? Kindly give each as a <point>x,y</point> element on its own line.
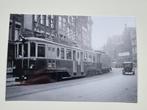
<point>128,68</point>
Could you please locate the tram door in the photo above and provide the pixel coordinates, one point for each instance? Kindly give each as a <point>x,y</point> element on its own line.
<point>99,62</point>
<point>74,62</point>
<point>82,63</point>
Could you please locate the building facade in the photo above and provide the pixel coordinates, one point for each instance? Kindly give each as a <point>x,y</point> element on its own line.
<point>15,26</point>
<point>68,30</point>
<point>122,47</point>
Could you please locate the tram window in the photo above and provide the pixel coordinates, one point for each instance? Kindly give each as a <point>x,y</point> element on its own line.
<point>41,50</point>
<point>68,54</point>
<point>93,58</point>
<point>86,55</point>
<point>20,50</point>
<point>78,55</point>
<point>25,50</point>
<point>62,53</point>
<point>74,55</point>
<point>32,49</point>
<point>58,52</point>
<point>81,56</point>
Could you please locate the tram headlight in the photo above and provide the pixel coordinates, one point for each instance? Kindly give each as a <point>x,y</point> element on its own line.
<point>31,66</point>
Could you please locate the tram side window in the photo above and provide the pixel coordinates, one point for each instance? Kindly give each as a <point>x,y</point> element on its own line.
<point>94,59</point>
<point>25,50</point>
<point>81,56</point>
<point>74,55</point>
<point>68,54</point>
<point>78,55</point>
<point>85,56</point>
<point>41,50</point>
<point>90,57</point>
<point>20,50</point>
<point>32,49</point>
<point>62,53</point>
<point>58,52</point>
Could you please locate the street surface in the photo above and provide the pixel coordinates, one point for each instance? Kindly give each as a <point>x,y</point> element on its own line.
<point>109,87</point>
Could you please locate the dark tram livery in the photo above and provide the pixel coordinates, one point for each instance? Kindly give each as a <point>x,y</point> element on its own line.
<point>37,56</point>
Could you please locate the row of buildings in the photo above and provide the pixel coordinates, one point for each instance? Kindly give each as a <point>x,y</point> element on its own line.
<point>68,30</point>
<point>123,48</point>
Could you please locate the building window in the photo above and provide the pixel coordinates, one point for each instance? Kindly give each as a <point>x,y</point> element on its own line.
<point>68,54</point>
<point>10,32</point>
<point>60,25</point>
<point>47,21</point>
<point>64,26</point>
<point>64,20</point>
<point>16,34</point>
<point>68,31</point>
<point>52,25</point>
<point>58,52</point>
<point>25,50</point>
<point>61,36</point>
<point>32,49</point>
<point>69,19</point>
<point>86,55</point>
<point>35,18</point>
<point>39,18</point>
<point>62,53</point>
<point>42,19</point>
<point>52,21</point>
<point>52,16</point>
<point>41,50</point>
<point>60,18</point>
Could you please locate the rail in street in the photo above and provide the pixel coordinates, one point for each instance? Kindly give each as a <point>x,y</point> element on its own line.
<point>109,87</point>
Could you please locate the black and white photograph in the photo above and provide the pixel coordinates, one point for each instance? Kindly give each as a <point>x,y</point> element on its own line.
<point>71,58</point>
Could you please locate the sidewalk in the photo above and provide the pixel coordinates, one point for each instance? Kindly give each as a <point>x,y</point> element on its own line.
<point>10,81</point>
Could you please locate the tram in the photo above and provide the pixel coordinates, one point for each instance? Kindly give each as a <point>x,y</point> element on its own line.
<point>37,56</point>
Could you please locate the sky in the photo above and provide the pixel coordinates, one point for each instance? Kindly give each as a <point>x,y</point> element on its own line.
<point>106,26</point>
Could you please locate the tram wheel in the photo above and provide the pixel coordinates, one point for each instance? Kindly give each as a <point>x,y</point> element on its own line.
<point>57,76</point>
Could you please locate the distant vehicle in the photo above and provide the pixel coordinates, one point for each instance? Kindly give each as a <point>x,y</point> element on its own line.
<point>105,61</point>
<point>128,68</point>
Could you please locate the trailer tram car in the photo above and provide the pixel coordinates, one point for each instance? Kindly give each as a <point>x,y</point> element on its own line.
<point>36,57</point>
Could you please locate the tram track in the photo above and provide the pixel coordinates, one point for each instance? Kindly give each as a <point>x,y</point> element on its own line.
<point>32,89</point>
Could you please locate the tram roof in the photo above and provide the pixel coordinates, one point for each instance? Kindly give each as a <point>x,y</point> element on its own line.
<point>47,41</point>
